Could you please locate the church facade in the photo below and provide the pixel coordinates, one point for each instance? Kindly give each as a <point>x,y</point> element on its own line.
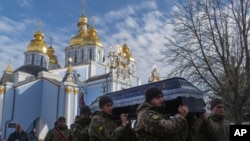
<point>40,90</point>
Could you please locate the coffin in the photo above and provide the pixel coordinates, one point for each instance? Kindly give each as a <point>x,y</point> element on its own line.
<point>176,91</point>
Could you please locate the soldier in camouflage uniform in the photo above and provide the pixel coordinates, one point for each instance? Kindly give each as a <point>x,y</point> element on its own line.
<point>79,129</point>
<point>60,132</point>
<point>102,128</point>
<point>151,123</point>
<point>214,127</point>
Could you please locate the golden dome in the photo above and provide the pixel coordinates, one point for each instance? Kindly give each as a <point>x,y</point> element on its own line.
<point>77,40</point>
<point>82,32</point>
<point>52,57</point>
<point>83,20</point>
<point>92,38</point>
<point>8,68</point>
<point>127,54</point>
<point>37,44</point>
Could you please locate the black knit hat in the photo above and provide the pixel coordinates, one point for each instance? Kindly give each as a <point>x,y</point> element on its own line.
<point>152,92</point>
<point>104,100</point>
<point>85,109</point>
<point>61,119</point>
<point>215,102</point>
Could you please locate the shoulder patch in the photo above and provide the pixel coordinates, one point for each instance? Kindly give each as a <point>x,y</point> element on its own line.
<point>74,129</point>
<point>155,116</point>
<point>100,128</point>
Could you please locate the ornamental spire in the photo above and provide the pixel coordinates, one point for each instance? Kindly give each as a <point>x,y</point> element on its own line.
<point>84,5</point>
<point>39,24</point>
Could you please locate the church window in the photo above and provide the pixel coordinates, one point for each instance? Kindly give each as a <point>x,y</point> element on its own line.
<point>99,56</point>
<point>37,59</point>
<point>133,68</point>
<point>90,54</point>
<point>26,59</point>
<point>41,61</point>
<point>33,59</point>
<point>82,55</point>
<point>75,58</point>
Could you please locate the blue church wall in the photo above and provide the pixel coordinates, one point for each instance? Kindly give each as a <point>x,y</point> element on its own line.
<point>82,71</point>
<point>62,99</point>
<point>27,105</point>
<point>92,93</point>
<point>100,70</point>
<point>50,103</point>
<point>7,111</point>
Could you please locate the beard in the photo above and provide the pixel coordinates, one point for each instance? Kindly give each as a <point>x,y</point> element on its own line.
<point>61,127</point>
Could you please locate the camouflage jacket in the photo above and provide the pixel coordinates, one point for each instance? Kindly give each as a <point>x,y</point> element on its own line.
<point>102,128</point>
<point>194,125</point>
<point>153,126</point>
<point>214,129</point>
<point>58,135</point>
<point>79,130</point>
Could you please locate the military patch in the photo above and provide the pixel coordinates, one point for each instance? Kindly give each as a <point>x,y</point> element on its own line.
<point>155,116</point>
<point>100,128</point>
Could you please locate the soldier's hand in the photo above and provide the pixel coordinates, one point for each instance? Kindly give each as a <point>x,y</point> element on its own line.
<point>124,119</point>
<point>183,110</point>
<point>204,116</point>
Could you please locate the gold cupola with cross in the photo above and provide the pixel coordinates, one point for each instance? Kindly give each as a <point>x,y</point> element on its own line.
<point>37,44</point>
<point>126,52</point>
<point>92,38</point>
<point>53,61</point>
<point>36,54</point>
<point>82,31</point>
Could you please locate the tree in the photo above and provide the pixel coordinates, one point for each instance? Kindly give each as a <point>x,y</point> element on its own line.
<point>209,46</point>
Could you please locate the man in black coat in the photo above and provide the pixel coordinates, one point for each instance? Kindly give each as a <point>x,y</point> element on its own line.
<point>19,134</point>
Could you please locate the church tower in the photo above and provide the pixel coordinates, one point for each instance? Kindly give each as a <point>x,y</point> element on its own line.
<point>122,68</point>
<point>71,89</point>
<point>36,54</point>
<point>86,47</point>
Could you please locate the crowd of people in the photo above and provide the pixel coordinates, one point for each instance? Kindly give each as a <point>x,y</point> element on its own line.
<point>151,124</point>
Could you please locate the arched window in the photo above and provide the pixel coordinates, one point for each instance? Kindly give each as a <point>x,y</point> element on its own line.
<point>41,61</point>
<point>33,59</point>
<point>26,59</point>
<point>82,55</point>
<point>75,59</point>
<point>99,56</point>
<point>90,54</point>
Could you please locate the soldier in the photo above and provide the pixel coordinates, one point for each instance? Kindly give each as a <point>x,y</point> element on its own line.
<point>151,124</point>
<point>102,128</point>
<point>60,132</point>
<point>215,127</point>
<point>19,134</point>
<point>79,130</point>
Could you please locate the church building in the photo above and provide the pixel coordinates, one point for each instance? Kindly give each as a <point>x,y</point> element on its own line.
<point>40,90</point>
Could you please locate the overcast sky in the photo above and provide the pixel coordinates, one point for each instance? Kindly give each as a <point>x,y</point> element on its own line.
<point>143,22</point>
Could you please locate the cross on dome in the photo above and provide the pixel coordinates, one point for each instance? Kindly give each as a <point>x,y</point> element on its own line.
<point>84,5</point>
<point>39,24</point>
